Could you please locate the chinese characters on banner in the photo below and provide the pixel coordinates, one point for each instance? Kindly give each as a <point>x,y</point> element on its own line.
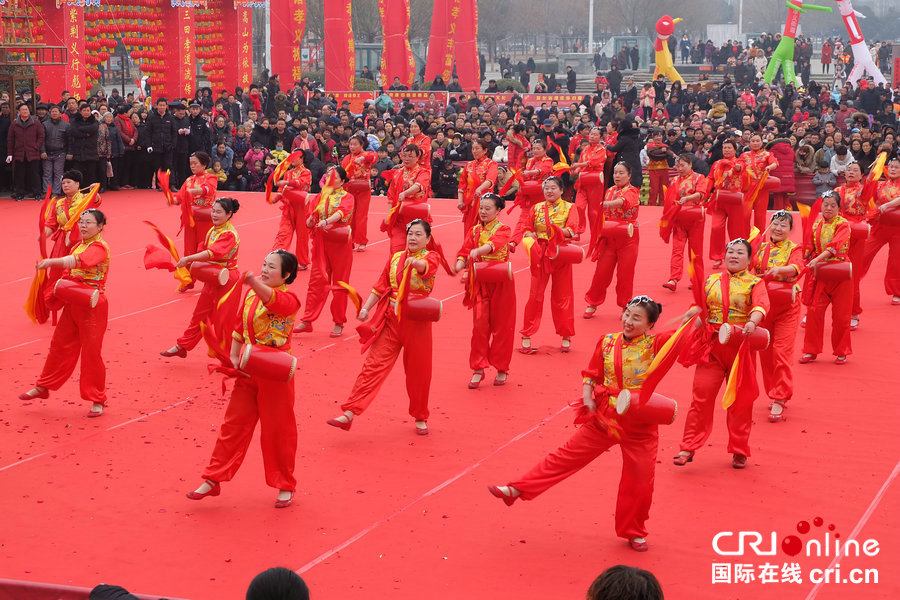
<point>454,34</point>
<point>65,27</point>
<point>437,44</point>
<point>396,57</point>
<point>340,52</point>
<point>288,22</point>
<point>238,53</point>
<point>466,46</point>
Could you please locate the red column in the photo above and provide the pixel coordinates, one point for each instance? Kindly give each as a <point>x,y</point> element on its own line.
<point>340,51</point>
<point>287,22</point>
<point>439,62</point>
<point>467,65</point>
<point>180,75</point>
<point>239,49</point>
<point>64,26</point>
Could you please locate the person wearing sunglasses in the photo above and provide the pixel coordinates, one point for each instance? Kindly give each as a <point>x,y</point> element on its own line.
<point>620,362</point>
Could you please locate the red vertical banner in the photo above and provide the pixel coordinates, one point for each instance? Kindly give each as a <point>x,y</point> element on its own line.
<point>180,75</point>
<point>287,19</point>
<point>439,61</point>
<point>466,46</point>
<point>64,26</point>
<point>340,52</point>
<point>396,56</point>
<point>238,52</point>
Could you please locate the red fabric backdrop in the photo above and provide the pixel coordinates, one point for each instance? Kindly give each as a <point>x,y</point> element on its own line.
<point>340,53</point>
<point>397,57</point>
<point>466,45</point>
<point>439,61</point>
<point>288,22</point>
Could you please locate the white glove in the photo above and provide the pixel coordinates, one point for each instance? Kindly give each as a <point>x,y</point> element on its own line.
<point>149,150</point>
<point>8,159</point>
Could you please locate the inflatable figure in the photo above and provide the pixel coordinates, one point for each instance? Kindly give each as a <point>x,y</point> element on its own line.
<point>862,60</point>
<point>664,64</point>
<point>783,56</point>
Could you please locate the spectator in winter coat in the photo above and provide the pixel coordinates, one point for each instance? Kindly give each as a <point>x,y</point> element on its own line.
<point>54,151</point>
<point>82,136</point>
<point>24,143</point>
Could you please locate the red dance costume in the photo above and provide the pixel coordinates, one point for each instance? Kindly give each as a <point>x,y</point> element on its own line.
<point>733,217</point>
<point>531,191</point>
<point>834,236</point>
<point>617,252</point>
<point>253,399</point>
<point>80,329</point>
<point>221,244</point>
<point>200,206</point>
<point>590,188</point>
<point>782,320</point>
<point>63,239</point>
<point>293,213</point>
<point>516,153</point>
<point>685,228</point>
<point>616,364</point>
<point>494,304</point>
<point>562,297</point>
<point>854,208</point>
<point>396,222</point>
<point>332,258</point>
<point>424,144</point>
<point>475,173</point>
<point>888,189</point>
<point>746,294</point>
<point>658,173</point>
<point>389,336</point>
<point>359,184</point>
<point>755,163</point>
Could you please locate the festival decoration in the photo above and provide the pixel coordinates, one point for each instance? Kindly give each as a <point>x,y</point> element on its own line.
<point>665,26</point>
<point>862,59</point>
<point>783,57</point>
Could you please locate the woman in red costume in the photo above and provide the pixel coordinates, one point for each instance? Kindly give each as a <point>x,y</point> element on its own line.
<point>531,191</point>
<point>756,161</point>
<point>479,177</point>
<point>358,165</point>
<point>199,192</point>
<point>265,318</point>
<point>551,224</point>
<point>518,147</point>
<point>854,208</point>
<point>830,244</point>
<point>493,304</point>
<point>617,251</point>
<point>220,249</point>
<point>80,329</point>
<point>417,136</point>
<point>727,203</point>
<point>590,184</point>
<point>390,333</point>
<point>886,230</point>
<point>620,361</point>
<point>408,197</point>
<point>746,306</point>
<point>332,252</point>
<point>683,217</point>
<point>293,187</point>
<point>778,260</point>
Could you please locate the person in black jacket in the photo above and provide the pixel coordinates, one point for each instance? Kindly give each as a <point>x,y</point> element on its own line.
<point>82,138</point>
<point>628,150</point>
<point>262,134</point>
<point>161,128</point>
<point>5,169</point>
<point>181,154</point>
<point>316,168</point>
<point>614,77</point>
<point>141,166</point>
<point>200,138</point>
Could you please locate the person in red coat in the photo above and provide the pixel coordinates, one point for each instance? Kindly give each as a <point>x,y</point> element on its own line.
<point>755,162</point>
<point>408,197</point>
<point>531,191</point>
<point>519,146</point>
<point>618,249</point>
<point>332,253</point>
<point>479,177</point>
<point>81,327</point>
<point>726,203</point>
<point>590,185</point>
<point>886,230</point>
<point>392,330</point>
<point>219,250</point>
<point>684,216</point>
<point>294,187</point>
<point>493,302</point>
<point>619,362</point>
<point>199,192</point>
<point>264,318</point>
<point>855,208</point>
<point>417,136</point>
<point>358,165</point>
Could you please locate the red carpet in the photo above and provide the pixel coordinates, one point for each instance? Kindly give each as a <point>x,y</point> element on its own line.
<point>382,513</point>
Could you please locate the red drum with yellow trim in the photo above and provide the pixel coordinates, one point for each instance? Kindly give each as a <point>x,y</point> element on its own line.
<point>591,179</point>
<point>658,410</point>
<point>423,309</point>
<point>569,254</point>
<point>782,294</point>
<point>731,334</point>
<point>410,211</point>
<point>891,218</point>
<point>729,198</point>
<point>493,271</point>
<point>209,273</point>
<point>772,183</point>
<point>834,271</point>
<point>202,213</point>
<point>338,233</point>
<point>859,230</point>
<point>355,186</point>
<point>76,293</point>
<point>617,229</point>
<point>268,363</point>
<point>689,215</point>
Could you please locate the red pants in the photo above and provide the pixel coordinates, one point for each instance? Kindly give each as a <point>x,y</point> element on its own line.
<point>359,221</point>
<point>708,378</point>
<point>760,206</point>
<point>621,254</point>
<point>293,220</point>
<point>206,308</point>
<point>857,253</point>
<point>659,178</point>
<point>562,304</point>
<point>272,404</point>
<point>840,295</point>
<point>878,237</point>
<point>639,448</point>
<point>196,235</point>
<point>79,331</point>
<point>738,226</point>
<point>414,338</point>
<point>777,361</point>
<point>692,234</point>
<point>589,201</point>
<point>493,325</point>
<point>331,263</point>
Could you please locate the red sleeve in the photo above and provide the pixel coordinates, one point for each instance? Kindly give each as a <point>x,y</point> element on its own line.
<point>222,246</point>
<point>598,160</point>
<point>283,303</point>
<point>424,181</point>
<point>239,320</point>
<point>760,297</point>
<point>501,237</point>
<point>371,159</point>
<point>660,339</point>
<point>209,186</point>
<point>772,160</point>
<point>468,244</point>
<point>51,222</point>
<point>94,255</point>
<point>464,179</point>
<point>346,207</point>
<point>632,199</point>
<point>594,369</point>
<point>305,180</point>
<point>383,283</point>
<point>572,219</point>
<point>433,260</point>
<point>492,174</point>
<point>840,240</point>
